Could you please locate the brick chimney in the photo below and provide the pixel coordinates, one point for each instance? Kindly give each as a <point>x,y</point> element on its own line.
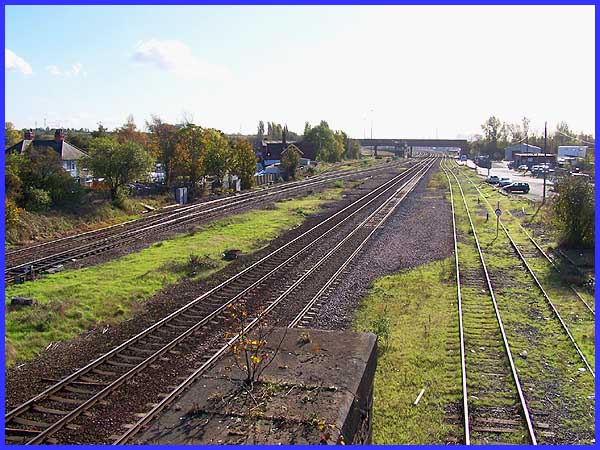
<point>28,135</point>
<point>59,135</point>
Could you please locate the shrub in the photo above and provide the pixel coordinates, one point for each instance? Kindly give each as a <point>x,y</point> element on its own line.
<point>573,210</point>
<point>37,199</point>
<point>12,213</point>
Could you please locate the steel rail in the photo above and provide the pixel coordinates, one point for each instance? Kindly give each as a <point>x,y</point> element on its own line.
<point>255,321</point>
<point>57,387</point>
<point>321,178</point>
<point>112,241</point>
<point>326,286</point>
<point>539,285</point>
<point>513,368</point>
<point>463,363</point>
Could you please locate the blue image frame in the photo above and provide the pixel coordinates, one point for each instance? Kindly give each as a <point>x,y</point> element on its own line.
<point>285,2</point>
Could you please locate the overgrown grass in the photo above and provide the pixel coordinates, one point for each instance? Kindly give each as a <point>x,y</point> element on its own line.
<point>72,301</point>
<point>35,226</point>
<point>420,305</point>
<point>552,366</point>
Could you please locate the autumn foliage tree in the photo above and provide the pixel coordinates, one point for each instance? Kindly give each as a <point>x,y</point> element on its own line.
<point>190,154</point>
<point>161,144</point>
<point>243,162</point>
<point>218,160</point>
<point>118,163</point>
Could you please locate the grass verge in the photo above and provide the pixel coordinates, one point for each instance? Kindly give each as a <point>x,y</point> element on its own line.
<point>420,305</point>
<point>73,301</point>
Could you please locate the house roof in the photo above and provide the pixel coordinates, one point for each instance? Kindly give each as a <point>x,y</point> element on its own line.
<point>292,147</point>
<point>66,151</point>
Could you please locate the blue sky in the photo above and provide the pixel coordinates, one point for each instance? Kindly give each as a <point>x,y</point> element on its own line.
<point>412,71</point>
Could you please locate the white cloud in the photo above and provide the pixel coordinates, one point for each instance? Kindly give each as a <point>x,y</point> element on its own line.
<point>176,57</point>
<point>14,62</point>
<point>75,71</point>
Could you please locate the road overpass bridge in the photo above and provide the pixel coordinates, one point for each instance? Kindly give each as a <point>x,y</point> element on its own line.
<point>400,145</point>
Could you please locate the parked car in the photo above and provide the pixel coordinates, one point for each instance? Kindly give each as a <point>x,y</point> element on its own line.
<point>517,187</point>
<point>504,182</point>
<point>492,180</point>
<point>523,167</point>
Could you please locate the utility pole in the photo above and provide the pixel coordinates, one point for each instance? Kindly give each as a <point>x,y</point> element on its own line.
<point>545,161</point>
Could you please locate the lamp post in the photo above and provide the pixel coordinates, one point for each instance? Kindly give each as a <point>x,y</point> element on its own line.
<point>545,161</point>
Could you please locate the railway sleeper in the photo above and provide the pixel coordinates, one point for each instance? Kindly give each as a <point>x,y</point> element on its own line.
<point>68,401</point>
<point>129,357</point>
<point>112,362</point>
<point>77,390</point>
<point>53,411</point>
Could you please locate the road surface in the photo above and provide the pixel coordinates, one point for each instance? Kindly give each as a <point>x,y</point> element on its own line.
<point>500,169</point>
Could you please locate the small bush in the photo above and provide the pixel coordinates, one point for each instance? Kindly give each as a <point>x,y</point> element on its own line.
<point>573,210</point>
<point>37,199</point>
<point>12,213</point>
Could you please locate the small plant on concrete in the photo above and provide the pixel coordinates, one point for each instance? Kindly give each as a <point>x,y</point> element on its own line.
<point>250,352</point>
<point>328,431</point>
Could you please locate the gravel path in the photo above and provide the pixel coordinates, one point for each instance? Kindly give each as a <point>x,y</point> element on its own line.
<point>419,232</point>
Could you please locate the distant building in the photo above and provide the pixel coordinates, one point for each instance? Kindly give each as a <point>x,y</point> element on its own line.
<point>269,151</point>
<point>533,159</point>
<point>519,148</point>
<point>572,151</point>
<point>69,154</point>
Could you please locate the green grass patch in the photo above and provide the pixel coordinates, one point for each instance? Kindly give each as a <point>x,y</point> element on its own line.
<point>420,305</point>
<point>73,301</point>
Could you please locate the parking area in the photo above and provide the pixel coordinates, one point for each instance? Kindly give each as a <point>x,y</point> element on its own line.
<point>500,169</point>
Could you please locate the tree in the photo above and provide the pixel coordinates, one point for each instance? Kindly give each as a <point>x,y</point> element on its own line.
<point>14,166</point>
<point>352,150</point>
<point>244,162</point>
<point>118,163</point>
<point>102,131</point>
<point>324,141</point>
<point>494,132</point>
<point>190,153</point>
<point>306,128</point>
<point>573,210</point>
<point>161,144</point>
<point>129,132</point>
<point>290,160</point>
<point>261,130</point>
<point>11,136</point>
<point>218,154</point>
<point>44,182</point>
<point>78,139</point>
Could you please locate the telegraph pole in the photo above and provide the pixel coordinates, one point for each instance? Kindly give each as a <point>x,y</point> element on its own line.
<point>545,160</point>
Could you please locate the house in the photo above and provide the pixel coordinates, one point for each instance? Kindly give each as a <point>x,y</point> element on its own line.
<point>69,154</point>
<point>270,151</point>
<point>519,148</point>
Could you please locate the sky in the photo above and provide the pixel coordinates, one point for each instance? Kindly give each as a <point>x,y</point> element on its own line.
<point>402,71</point>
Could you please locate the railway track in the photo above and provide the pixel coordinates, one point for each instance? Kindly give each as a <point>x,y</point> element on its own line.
<point>29,261</point>
<point>576,312</point>
<point>532,303</point>
<point>350,246</point>
<point>495,409</point>
<point>198,329</point>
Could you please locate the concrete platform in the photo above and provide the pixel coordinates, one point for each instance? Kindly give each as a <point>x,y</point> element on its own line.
<point>317,379</point>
